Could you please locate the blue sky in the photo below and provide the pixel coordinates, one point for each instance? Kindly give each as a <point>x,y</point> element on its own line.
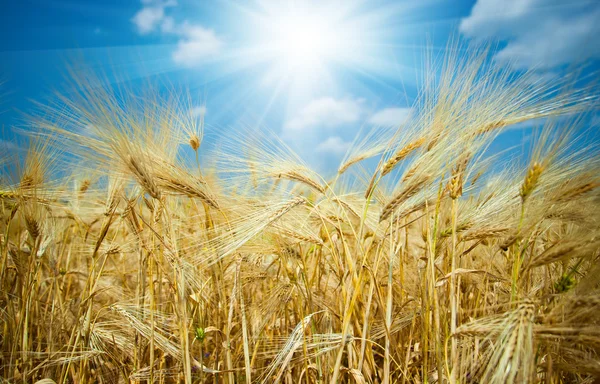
<point>313,72</point>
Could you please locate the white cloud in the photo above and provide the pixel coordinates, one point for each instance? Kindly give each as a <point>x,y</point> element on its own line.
<point>333,145</point>
<point>325,112</point>
<point>390,117</point>
<point>199,111</point>
<point>197,45</point>
<point>167,25</point>
<point>6,145</point>
<point>539,33</point>
<point>148,18</point>
<point>89,130</point>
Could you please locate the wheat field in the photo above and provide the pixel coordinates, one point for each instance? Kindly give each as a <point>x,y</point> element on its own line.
<point>130,253</point>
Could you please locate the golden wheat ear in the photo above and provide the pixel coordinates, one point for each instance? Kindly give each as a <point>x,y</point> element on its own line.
<point>365,146</point>
<point>294,341</point>
<point>257,158</point>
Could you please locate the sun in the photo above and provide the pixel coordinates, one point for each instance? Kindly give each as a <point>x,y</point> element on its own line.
<point>303,40</point>
<point>297,50</point>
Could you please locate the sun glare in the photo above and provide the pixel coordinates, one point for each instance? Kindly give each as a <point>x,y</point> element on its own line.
<point>302,41</point>
<point>301,48</point>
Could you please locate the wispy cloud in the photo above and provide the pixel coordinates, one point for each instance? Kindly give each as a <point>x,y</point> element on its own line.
<point>148,18</point>
<point>390,117</point>
<point>325,112</point>
<point>7,146</point>
<point>168,25</point>
<point>539,33</point>
<point>334,145</point>
<point>196,43</point>
<point>151,15</point>
<point>322,129</point>
<point>199,111</point>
